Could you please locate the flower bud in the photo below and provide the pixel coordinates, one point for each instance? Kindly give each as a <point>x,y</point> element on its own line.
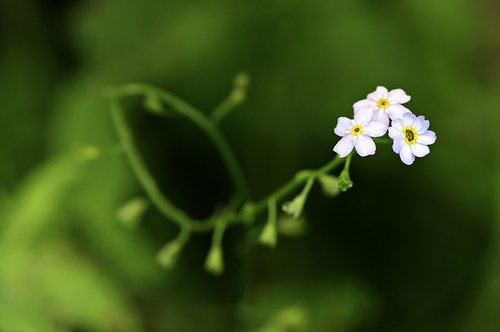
<point>87,152</point>
<point>153,103</point>
<point>295,207</point>
<point>239,93</point>
<point>214,262</point>
<point>241,80</point>
<point>268,235</point>
<point>329,185</point>
<point>131,213</point>
<point>345,180</point>
<point>167,256</point>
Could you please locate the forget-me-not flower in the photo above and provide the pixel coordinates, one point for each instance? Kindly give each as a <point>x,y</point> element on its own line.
<point>386,104</point>
<point>411,137</point>
<point>357,133</point>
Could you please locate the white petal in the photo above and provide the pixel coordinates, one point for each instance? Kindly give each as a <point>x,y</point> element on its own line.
<point>406,156</point>
<point>380,92</point>
<point>363,115</point>
<point>393,132</point>
<point>398,125</point>
<point>380,116</point>
<point>419,150</point>
<point>364,145</point>
<point>375,129</point>
<point>408,119</point>
<point>344,146</point>
<point>423,125</point>
<point>362,103</point>
<point>343,125</point>
<point>429,137</point>
<point>396,129</point>
<point>396,111</point>
<point>398,144</point>
<point>398,95</point>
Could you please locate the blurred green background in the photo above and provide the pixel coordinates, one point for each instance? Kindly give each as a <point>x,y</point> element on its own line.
<point>406,249</point>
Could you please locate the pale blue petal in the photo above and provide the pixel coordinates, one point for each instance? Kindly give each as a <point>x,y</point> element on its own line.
<point>429,137</point>
<point>398,124</point>
<point>418,122</point>
<point>419,150</point>
<point>408,119</point>
<point>406,156</point>
<point>344,146</point>
<point>364,145</point>
<point>344,126</point>
<point>395,130</point>
<point>423,126</point>
<point>398,144</point>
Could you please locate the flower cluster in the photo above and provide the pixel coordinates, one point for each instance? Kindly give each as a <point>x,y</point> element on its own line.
<point>372,115</point>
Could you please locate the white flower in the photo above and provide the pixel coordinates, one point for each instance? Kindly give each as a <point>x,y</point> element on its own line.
<point>385,104</point>
<point>411,137</point>
<point>358,132</point>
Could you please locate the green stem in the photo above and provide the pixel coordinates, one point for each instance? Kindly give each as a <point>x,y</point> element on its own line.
<point>236,97</point>
<point>228,156</point>
<point>271,208</point>
<point>223,109</point>
<point>294,183</point>
<point>167,256</point>
<point>242,193</point>
<point>308,185</point>
<point>348,162</point>
<point>214,263</point>
<point>148,183</point>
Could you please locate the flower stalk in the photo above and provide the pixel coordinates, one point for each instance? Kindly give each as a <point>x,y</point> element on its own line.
<point>371,117</point>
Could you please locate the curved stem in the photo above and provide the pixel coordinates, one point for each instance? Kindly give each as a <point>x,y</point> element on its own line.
<point>148,183</point>
<point>242,193</point>
<point>228,156</point>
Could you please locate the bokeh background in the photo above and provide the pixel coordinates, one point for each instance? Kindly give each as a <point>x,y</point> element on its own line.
<point>406,249</point>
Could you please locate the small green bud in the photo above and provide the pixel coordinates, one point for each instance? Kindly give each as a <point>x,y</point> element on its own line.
<point>240,83</point>
<point>241,80</point>
<point>329,185</point>
<point>168,254</point>
<point>345,180</point>
<point>131,213</point>
<point>295,207</point>
<point>87,152</point>
<point>238,96</point>
<point>214,262</point>
<point>268,236</point>
<point>153,103</point>
<point>248,213</point>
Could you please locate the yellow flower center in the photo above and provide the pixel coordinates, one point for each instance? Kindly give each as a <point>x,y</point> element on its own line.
<point>410,135</point>
<point>356,130</point>
<point>383,103</point>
